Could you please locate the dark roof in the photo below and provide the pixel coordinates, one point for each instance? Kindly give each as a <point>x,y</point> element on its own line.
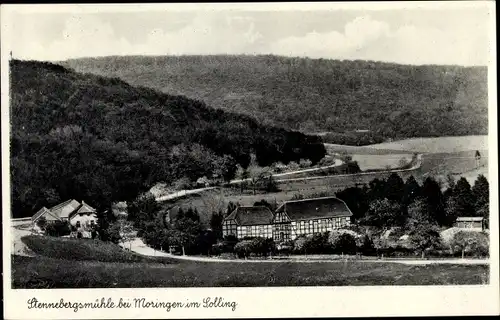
<point>315,208</point>
<point>248,216</point>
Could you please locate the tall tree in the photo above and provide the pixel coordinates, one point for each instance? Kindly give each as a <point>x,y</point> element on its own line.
<point>464,199</point>
<point>411,191</point>
<point>481,192</point>
<point>216,223</point>
<point>419,214</point>
<point>394,188</point>
<point>384,214</point>
<point>431,191</point>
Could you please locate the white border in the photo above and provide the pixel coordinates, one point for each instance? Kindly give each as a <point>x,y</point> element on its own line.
<point>264,302</point>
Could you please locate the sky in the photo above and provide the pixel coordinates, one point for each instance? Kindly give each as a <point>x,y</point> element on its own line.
<point>408,36</point>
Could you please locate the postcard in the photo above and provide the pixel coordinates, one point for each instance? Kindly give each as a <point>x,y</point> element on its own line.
<point>249,160</point>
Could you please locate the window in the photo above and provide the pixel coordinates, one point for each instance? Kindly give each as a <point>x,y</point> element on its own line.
<point>78,225</point>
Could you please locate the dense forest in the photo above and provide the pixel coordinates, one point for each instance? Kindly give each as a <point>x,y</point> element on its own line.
<point>359,102</point>
<point>100,139</point>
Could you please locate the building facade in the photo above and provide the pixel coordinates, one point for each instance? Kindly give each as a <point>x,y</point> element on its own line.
<point>474,223</point>
<point>291,220</point>
<point>249,222</point>
<point>79,215</point>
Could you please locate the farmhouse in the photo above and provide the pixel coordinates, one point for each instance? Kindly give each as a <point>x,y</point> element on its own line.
<point>249,222</point>
<point>474,223</point>
<point>291,219</point>
<point>76,213</point>
<point>310,216</point>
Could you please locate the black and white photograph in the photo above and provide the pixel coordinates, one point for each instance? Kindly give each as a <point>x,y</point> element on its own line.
<point>253,146</point>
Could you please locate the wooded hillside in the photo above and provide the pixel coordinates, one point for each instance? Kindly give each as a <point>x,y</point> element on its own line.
<point>100,139</point>
<point>317,95</point>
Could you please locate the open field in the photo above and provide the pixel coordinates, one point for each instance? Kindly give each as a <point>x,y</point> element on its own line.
<point>437,145</point>
<point>367,150</point>
<point>387,161</point>
<point>44,272</point>
<point>456,164</point>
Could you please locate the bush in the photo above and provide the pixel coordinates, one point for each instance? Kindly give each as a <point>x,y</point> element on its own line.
<point>345,244</point>
<point>367,247</point>
<point>299,244</point>
<point>317,243</point>
<point>285,247</point>
<point>57,229</point>
<point>470,243</point>
<point>243,249</point>
<point>263,247</point>
<point>304,163</point>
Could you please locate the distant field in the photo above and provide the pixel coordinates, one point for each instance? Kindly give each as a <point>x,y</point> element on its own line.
<point>366,150</point>
<point>43,272</point>
<point>457,164</point>
<point>388,161</point>
<point>437,145</point>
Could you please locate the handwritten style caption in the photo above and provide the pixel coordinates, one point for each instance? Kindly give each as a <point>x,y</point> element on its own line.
<point>134,303</point>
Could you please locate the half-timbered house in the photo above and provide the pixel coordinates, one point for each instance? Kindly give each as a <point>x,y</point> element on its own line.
<point>249,222</point>
<point>291,219</point>
<point>310,216</point>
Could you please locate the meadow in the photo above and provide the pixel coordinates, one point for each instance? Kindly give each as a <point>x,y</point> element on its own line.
<point>387,161</point>
<point>437,145</point>
<point>45,272</point>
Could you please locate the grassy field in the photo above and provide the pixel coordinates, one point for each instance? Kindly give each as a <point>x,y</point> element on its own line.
<point>85,250</point>
<point>43,272</point>
<point>366,150</point>
<point>437,145</point>
<point>456,164</point>
<point>387,161</point>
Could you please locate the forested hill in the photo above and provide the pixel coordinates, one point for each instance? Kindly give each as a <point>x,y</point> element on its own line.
<point>317,95</point>
<point>100,139</point>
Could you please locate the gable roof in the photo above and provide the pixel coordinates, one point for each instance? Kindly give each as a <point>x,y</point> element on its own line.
<point>65,209</point>
<point>315,208</point>
<point>39,213</point>
<point>247,216</point>
<point>85,208</point>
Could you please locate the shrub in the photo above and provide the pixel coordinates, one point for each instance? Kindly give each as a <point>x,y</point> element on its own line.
<point>262,247</point>
<point>367,247</point>
<point>57,229</point>
<point>318,243</point>
<point>304,163</point>
<point>343,241</point>
<point>470,243</point>
<point>285,247</point>
<point>299,244</point>
<point>243,248</point>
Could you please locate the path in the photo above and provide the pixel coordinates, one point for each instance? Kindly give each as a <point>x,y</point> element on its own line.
<point>18,246</point>
<point>182,193</point>
<point>138,246</point>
